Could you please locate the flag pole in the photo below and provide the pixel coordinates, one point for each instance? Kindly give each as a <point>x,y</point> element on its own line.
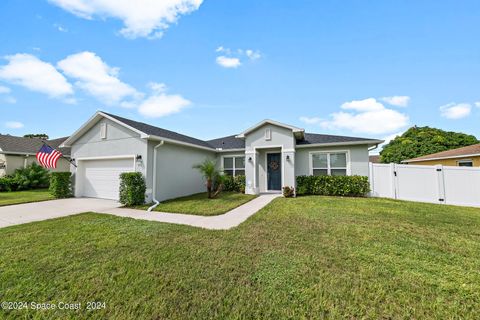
<point>69,160</point>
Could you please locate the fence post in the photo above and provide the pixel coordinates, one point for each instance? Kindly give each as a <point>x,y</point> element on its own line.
<point>440,183</point>
<point>370,178</point>
<point>393,175</point>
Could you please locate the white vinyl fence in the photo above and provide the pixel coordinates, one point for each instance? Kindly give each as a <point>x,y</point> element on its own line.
<point>435,184</point>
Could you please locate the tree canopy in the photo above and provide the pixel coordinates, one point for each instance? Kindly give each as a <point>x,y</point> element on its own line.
<point>37,135</point>
<point>420,141</point>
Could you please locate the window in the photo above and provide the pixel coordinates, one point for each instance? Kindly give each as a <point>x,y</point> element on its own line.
<point>234,166</point>
<point>465,163</point>
<point>332,164</point>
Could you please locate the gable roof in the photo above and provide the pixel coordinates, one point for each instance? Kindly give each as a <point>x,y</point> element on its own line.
<point>297,131</point>
<point>20,145</point>
<point>325,139</point>
<point>473,150</point>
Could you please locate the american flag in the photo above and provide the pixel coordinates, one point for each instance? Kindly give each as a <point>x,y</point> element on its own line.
<point>48,156</point>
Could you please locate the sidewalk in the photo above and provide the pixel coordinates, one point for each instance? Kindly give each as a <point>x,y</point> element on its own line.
<point>221,222</point>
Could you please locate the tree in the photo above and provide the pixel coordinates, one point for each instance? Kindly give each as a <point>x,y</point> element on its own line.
<point>43,136</point>
<point>420,141</point>
<point>214,179</point>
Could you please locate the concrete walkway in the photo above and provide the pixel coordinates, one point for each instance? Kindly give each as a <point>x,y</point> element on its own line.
<point>221,222</point>
<point>37,211</point>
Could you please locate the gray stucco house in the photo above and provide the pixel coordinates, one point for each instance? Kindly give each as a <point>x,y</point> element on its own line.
<point>270,155</point>
<point>19,152</point>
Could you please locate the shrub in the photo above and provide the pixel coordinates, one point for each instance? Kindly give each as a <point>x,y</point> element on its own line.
<point>350,186</point>
<point>60,184</point>
<point>234,183</point>
<point>31,177</point>
<point>132,189</point>
<point>8,183</point>
<point>288,192</point>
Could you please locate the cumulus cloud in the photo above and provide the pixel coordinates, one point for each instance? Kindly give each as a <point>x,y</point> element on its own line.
<point>477,104</point>
<point>98,79</point>
<point>311,120</point>
<point>34,74</point>
<point>14,125</point>
<point>366,116</point>
<point>141,18</point>
<point>4,90</point>
<point>227,62</point>
<point>160,104</point>
<point>455,111</point>
<point>399,101</point>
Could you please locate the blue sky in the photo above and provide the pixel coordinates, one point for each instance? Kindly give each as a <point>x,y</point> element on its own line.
<point>214,68</point>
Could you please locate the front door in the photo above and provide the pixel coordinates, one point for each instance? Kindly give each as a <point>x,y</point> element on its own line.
<point>274,171</point>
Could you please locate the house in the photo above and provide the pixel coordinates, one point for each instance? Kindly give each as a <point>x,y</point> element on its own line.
<point>18,152</point>
<point>464,157</point>
<point>374,158</point>
<point>270,155</point>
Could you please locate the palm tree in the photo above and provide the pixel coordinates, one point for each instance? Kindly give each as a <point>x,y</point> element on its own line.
<point>208,169</point>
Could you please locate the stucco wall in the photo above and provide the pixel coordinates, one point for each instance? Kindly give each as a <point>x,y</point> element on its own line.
<point>280,137</point>
<point>448,162</point>
<point>358,159</point>
<point>14,162</point>
<point>175,175</point>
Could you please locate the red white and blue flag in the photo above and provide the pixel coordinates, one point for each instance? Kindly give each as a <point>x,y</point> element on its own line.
<point>48,156</point>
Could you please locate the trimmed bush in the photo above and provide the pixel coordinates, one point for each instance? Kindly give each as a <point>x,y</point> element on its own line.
<point>60,184</point>
<point>235,184</point>
<point>132,189</point>
<point>31,177</point>
<point>288,192</point>
<point>8,183</point>
<point>349,186</point>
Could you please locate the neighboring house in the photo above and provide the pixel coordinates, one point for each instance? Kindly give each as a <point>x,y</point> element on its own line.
<point>270,155</point>
<point>18,152</point>
<point>374,159</point>
<point>464,157</point>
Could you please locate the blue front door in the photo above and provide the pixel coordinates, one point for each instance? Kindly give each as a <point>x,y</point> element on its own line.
<point>274,171</point>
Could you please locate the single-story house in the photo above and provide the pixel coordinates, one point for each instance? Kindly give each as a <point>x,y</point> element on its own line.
<point>269,154</point>
<point>19,152</point>
<point>464,157</point>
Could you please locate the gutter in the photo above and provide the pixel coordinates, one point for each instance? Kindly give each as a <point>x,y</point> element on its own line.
<point>154,187</point>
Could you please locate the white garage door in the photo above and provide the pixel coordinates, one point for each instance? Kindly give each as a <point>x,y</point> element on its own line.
<point>101,178</point>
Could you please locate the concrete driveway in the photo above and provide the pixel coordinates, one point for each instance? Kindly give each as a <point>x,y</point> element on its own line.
<point>37,211</point>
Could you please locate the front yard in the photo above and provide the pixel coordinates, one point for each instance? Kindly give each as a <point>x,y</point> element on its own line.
<point>309,257</point>
<point>17,197</point>
<point>199,204</point>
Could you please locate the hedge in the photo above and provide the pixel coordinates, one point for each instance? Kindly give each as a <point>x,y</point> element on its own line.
<point>234,183</point>
<point>60,184</point>
<point>132,189</point>
<point>8,183</point>
<point>349,186</point>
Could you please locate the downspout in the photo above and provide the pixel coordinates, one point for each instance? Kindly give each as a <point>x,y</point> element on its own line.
<point>154,187</point>
<point>373,148</point>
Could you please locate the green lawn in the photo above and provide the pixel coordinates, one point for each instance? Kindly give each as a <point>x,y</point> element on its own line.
<point>199,204</point>
<point>16,197</point>
<point>309,257</point>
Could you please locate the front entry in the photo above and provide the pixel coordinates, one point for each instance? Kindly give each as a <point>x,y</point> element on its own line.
<point>274,171</point>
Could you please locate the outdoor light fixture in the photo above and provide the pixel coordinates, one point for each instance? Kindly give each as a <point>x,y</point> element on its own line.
<point>138,157</point>
<point>249,158</point>
<point>288,157</point>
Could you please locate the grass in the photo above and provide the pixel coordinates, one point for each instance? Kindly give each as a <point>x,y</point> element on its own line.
<point>199,204</point>
<point>309,257</point>
<point>17,197</point>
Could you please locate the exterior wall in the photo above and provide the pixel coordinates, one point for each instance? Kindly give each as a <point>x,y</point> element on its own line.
<point>14,162</point>
<point>175,175</point>
<point>447,162</point>
<point>119,141</point>
<point>358,161</point>
<point>3,171</point>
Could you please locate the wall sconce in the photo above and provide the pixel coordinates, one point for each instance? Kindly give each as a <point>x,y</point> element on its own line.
<point>138,157</point>
<point>250,159</point>
<point>288,157</point>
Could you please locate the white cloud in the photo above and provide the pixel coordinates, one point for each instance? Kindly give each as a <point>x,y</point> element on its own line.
<point>368,116</point>
<point>161,104</point>
<point>4,90</point>
<point>310,120</point>
<point>60,27</point>
<point>227,62</point>
<point>477,104</point>
<point>455,111</point>
<point>34,74</point>
<point>253,55</point>
<point>141,18</point>
<point>97,78</point>
<point>399,101</point>
<point>14,125</point>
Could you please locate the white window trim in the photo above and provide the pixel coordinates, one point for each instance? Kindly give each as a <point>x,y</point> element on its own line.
<point>234,168</point>
<point>465,161</point>
<point>328,152</point>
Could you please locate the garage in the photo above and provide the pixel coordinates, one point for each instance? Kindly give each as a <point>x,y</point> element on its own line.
<point>101,178</point>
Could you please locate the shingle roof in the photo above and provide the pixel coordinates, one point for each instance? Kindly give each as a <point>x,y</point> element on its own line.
<point>226,143</point>
<point>156,131</point>
<point>464,151</point>
<point>29,145</point>
<point>315,138</point>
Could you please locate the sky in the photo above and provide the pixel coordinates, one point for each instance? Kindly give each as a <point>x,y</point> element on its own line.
<point>213,68</point>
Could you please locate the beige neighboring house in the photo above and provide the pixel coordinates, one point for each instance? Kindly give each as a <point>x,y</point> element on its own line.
<point>19,152</point>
